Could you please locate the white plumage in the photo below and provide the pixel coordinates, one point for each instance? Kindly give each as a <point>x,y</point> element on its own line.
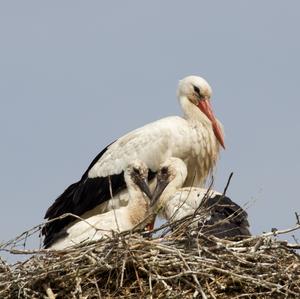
<point>191,138</point>
<point>117,220</point>
<point>220,216</point>
<point>195,138</point>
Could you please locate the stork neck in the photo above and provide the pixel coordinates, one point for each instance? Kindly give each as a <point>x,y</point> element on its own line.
<point>134,191</point>
<point>138,203</point>
<point>170,190</point>
<point>192,112</point>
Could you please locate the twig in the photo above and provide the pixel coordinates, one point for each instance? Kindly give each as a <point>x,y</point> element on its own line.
<point>49,291</point>
<point>297,218</point>
<point>228,182</point>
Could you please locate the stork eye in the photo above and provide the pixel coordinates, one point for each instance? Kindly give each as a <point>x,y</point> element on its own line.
<point>197,90</point>
<point>136,171</point>
<point>164,170</point>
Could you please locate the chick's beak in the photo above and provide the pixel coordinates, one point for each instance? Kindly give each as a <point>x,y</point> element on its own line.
<point>143,185</point>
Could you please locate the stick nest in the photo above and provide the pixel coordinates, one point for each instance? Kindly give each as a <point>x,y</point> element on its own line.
<point>176,264</point>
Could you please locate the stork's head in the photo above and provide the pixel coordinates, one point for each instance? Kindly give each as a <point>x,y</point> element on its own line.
<point>137,173</point>
<point>198,92</point>
<point>171,175</point>
<point>194,88</point>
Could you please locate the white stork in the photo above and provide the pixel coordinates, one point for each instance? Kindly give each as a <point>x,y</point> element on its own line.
<point>196,138</point>
<point>220,216</point>
<point>119,220</point>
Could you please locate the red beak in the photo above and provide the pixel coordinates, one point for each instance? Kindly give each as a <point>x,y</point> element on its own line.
<point>205,107</point>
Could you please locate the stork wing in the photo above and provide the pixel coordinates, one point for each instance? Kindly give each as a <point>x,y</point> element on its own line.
<point>152,144</point>
<point>227,218</point>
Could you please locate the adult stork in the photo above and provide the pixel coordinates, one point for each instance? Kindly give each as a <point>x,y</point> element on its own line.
<point>219,215</point>
<point>119,220</point>
<point>196,138</point>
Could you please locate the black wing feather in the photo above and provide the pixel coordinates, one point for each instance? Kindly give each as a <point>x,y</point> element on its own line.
<point>227,219</point>
<point>81,197</point>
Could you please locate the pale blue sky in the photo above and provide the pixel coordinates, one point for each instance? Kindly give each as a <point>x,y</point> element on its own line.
<point>75,75</point>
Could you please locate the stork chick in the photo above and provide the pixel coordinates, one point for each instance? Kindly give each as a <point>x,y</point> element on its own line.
<point>221,217</point>
<point>118,220</point>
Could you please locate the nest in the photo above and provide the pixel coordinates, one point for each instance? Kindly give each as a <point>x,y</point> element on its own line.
<point>174,263</point>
